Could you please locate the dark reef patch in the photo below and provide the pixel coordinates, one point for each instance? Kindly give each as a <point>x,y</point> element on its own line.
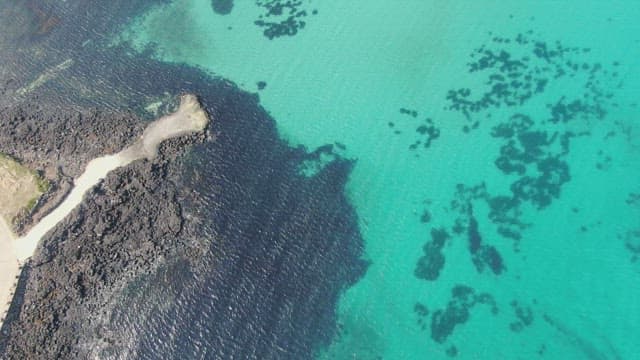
<point>458,310</point>
<point>222,7</point>
<point>524,316</point>
<point>219,246</point>
<point>631,238</point>
<point>425,217</point>
<point>452,351</point>
<point>422,312</point>
<point>533,151</point>
<point>516,70</point>
<point>430,265</point>
<point>426,131</point>
<point>409,112</point>
<point>283,17</point>
<point>515,75</point>
<point>482,255</point>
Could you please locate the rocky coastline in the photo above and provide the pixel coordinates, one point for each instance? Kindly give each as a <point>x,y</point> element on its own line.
<point>59,144</point>
<point>92,250</point>
<point>219,231</point>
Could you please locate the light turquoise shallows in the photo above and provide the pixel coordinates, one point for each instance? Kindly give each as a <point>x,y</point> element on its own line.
<point>348,73</point>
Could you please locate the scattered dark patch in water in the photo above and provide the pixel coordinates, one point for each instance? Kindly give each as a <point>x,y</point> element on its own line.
<point>283,17</point>
<point>524,316</point>
<point>261,85</point>
<point>409,112</point>
<point>422,312</point>
<point>482,255</point>
<point>542,350</point>
<point>458,311</point>
<point>633,199</point>
<point>425,217</point>
<point>452,351</point>
<point>430,265</point>
<point>631,240</point>
<point>222,7</point>
<point>533,150</point>
<point>426,131</point>
<point>517,69</point>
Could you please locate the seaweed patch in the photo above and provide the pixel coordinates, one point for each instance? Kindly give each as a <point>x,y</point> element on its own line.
<point>426,131</point>
<point>283,17</point>
<point>534,130</point>
<point>422,313</point>
<point>458,311</point>
<point>482,255</point>
<point>222,7</point>
<point>533,151</point>
<point>517,69</point>
<point>523,314</point>
<point>432,262</point>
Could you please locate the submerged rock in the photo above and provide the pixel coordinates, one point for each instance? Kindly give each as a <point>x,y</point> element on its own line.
<point>222,7</point>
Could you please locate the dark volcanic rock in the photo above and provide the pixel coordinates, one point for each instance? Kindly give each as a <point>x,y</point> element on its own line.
<point>186,248</point>
<point>218,250</point>
<point>51,139</point>
<point>122,230</point>
<point>59,143</point>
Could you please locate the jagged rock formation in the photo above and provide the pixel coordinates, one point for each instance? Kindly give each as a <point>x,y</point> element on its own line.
<point>59,143</point>
<point>214,249</point>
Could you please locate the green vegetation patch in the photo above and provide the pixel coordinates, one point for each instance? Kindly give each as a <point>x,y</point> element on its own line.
<point>20,188</point>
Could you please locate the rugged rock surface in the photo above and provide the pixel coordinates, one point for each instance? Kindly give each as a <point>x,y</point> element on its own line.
<point>123,229</point>
<point>59,143</point>
<point>225,251</point>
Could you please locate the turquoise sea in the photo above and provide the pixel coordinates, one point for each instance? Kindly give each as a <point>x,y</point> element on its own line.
<point>497,149</point>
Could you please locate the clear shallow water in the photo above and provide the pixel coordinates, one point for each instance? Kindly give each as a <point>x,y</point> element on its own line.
<point>356,73</point>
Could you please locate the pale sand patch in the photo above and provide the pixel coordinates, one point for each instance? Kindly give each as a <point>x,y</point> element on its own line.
<point>45,77</point>
<point>9,268</point>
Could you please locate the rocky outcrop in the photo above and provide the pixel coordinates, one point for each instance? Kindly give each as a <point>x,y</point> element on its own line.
<point>59,143</point>
<point>217,248</point>
<point>123,229</point>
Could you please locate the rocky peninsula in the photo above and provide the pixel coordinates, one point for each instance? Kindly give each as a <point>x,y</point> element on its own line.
<point>23,184</point>
<point>219,230</point>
